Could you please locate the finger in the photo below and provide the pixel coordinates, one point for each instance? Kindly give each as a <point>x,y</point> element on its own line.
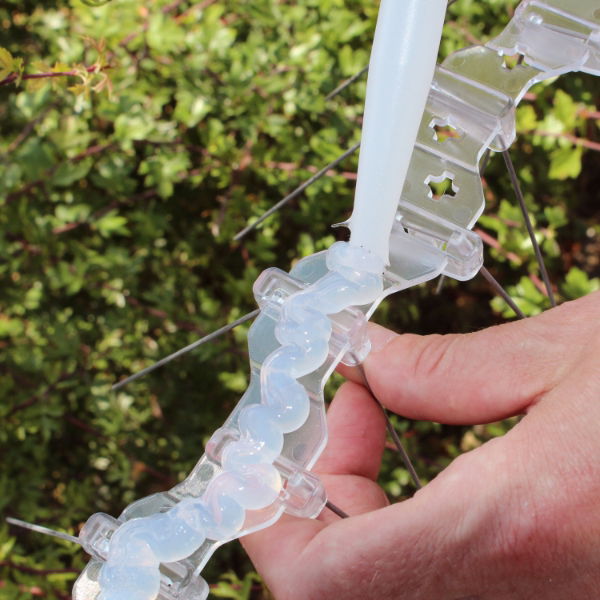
<point>378,554</point>
<point>356,434</point>
<point>348,468</point>
<point>482,376</point>
<point>350,464</point>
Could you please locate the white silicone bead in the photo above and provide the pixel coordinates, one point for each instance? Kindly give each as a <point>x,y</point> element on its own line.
<point>129,582</point>
<point>288,400</point>
<point>257,423</point>
<point>171,538</point>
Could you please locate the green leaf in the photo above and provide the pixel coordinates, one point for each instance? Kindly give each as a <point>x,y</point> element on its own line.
<point>566,162</point>
<point>565,109</point>
<point>578,284</point>
<point>6,548</point>
<point>69,172</point>
<point>526,118</point>
<point>112,223</point>
<point>191,108</point>
<point>236,382</point>
<point>7,63</point>
<point>10,327</point>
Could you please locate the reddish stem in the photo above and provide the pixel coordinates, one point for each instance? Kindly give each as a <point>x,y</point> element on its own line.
<point>33,571</point>
<point>14,76</point>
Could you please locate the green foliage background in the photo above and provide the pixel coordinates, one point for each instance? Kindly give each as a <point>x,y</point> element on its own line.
<point>117,212</point>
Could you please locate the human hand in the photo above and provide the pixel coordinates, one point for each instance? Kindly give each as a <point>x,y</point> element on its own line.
<point>517,518</point>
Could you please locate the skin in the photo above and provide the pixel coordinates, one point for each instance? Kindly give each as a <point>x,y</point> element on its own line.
<point>517,519</point>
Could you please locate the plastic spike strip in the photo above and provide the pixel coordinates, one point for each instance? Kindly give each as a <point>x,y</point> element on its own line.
<point>248,479</point>
<point>474,93</point>
<point>473,98</point>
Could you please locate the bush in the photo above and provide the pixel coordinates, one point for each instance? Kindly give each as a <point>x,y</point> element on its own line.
<point>158,131</point>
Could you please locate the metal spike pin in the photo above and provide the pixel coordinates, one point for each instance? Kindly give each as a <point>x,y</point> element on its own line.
<point>390,427</point>
<point>44,530</point>
<point>167,359</point>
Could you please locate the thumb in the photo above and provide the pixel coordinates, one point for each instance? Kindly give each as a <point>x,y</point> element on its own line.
<point>483,376</point>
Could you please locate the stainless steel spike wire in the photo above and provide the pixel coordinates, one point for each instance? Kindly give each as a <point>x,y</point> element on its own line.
<point>75,540</point>
<point>294,194</point>
<point>305,185</point>
<point>505,295</point>
<point>167,359</point>
<point>389,425</point>
<point>336,510</point>
<point>297,191</point>
<point>536,247</point>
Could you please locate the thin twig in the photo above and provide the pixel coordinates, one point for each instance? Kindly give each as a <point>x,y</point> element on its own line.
<point>494,243</point>
<point>91,151</point>
<point>42,396</point>
<point>29,127</point>
<point>577,141</point>
<point>14,76</point>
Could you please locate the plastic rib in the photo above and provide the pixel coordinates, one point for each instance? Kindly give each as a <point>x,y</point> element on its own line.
<point>296,192</point>
<point>485,161</point>
<point>536,247</point>
<point>505,295</point>
<point>186,349</point>
<point>391,430</point>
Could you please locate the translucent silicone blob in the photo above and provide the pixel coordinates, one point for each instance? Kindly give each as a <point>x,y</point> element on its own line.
<point>172,538</point>
<point>248,479</point>
<point>128,582</point>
